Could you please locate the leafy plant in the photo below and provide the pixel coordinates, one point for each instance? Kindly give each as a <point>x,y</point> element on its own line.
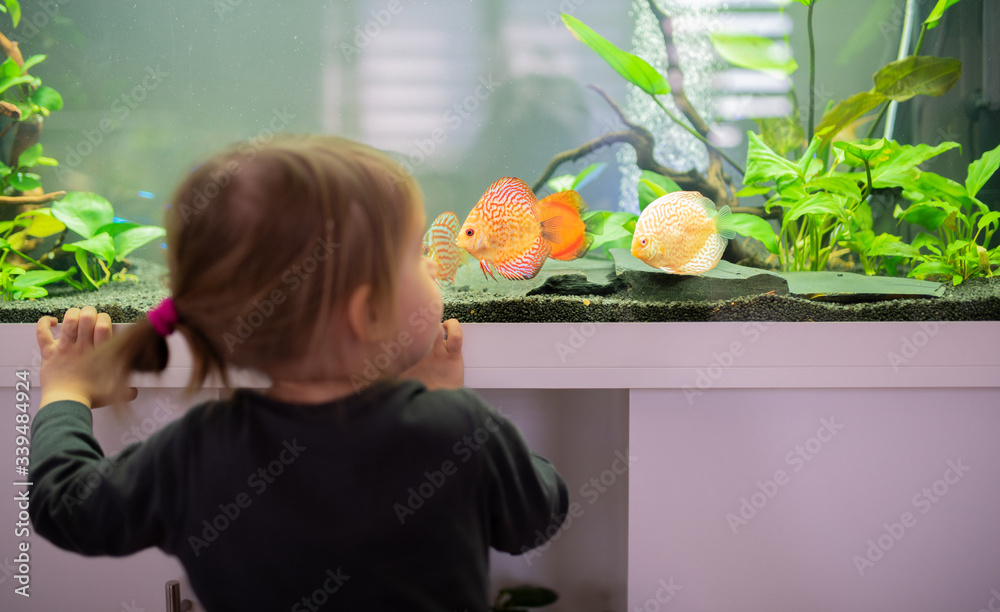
<point>105,241</point>
<point>517,598</point>
<point>959,226</point>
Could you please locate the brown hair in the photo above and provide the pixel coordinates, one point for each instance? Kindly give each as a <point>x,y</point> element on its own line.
<point>265,241</point>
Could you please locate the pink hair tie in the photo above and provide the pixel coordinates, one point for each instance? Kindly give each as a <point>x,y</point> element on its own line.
<point>163,317</point>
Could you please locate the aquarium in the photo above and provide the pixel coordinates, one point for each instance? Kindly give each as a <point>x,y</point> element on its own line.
<point>854,146</point>
<point>732,265</point>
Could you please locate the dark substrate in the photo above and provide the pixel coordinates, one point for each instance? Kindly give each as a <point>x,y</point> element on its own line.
<point>597,290</point>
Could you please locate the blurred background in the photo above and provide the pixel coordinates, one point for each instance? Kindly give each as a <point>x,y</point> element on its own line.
<point>464,91</point>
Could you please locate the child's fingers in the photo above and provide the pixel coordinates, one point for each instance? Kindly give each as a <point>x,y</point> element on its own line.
<point>70,327</point>
<point>453,343</point>
<point>85,328</point>
<point>102,329</point>
<point>43,333</point>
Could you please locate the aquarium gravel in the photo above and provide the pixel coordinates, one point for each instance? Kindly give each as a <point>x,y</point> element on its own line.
<point>582,290</point>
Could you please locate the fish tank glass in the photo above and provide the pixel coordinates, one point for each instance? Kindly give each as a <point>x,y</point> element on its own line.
<point>657,160</point>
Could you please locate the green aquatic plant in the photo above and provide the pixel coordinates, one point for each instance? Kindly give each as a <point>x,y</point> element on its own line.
<point>105,240</point>
<point>958,226</point>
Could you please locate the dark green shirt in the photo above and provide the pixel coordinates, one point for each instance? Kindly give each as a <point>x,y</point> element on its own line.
<point>386,500</point>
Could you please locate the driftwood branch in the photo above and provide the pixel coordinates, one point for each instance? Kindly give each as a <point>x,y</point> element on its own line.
<point>714,172</point>
<point>34,199</point>
<point>11,50</point>
<point>644,143</point>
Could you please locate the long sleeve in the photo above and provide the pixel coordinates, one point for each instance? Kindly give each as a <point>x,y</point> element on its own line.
<point>528,498</point>
<point>92,504</point>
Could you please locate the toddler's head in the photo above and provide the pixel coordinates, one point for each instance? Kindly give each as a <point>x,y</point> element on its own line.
<point>267,244</point>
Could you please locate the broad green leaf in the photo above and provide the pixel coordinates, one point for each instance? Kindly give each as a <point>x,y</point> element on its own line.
<point>917,75</point>
<point>47,98</point>
<point>30,293</point>
<point>897,171</point>
<point>932,20</point>
<point>15,11</point>
<point>754,52</point>
<point>617,226</point>
<point>133,238</point>
<point>9,68</point>
<point>652,186</point>
<point>820,203</point>
<point>587,175</point>
<point>114,228</point>
<point>843,184</point>
<point>939,187</point>
<point>750,191</point>
<point>764,165</point>
<point>782,134</point>
<point>861,216</point>
<point>649,192</point>
<point>809,159</point>
<point>635,69</point>
<point>47,161</point>
<point>24,181</point>
<point>43,224</point>
<point>928,216</point>
<point>987,219</point>
<point>31,61</point>
<point>9,81</point>
<point>100,245</point>
<point>29,157</point>
<point>932,268</point>
<point>754,227</point>
<point>83,212</point>
<point>559,183</point>
<point>887,245</point>
<point>981,170</point>
<point>34,278</point>
<point>858,152</point>
<point>846,112</point>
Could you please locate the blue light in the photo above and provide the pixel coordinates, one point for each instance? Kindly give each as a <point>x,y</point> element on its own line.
<point>146,194</point>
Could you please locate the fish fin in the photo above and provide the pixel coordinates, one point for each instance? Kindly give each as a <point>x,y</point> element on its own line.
<point>485,267</point>
<point>724,223</point>
<point>527,264</point>
<point>562,225</point>
<point>707,257</point>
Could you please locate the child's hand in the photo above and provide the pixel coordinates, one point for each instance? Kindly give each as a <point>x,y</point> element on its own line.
<point>67,372</point>
<point>443,367</point>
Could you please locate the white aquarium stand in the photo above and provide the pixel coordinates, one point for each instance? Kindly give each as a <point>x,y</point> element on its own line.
<point>711,466</point>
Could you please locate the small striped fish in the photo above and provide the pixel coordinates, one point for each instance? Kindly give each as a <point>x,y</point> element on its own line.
<point>439,245</point>
<point>682,233</point>
<point>512,234</point>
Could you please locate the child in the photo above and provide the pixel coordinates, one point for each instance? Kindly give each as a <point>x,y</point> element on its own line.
<point>344,486</point>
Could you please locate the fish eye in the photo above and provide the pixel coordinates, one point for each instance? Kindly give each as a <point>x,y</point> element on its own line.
<point>642,241</point>
<point>470,232</point>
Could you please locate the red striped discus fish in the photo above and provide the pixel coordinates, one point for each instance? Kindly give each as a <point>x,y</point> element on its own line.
<point>512,234</point>
<point>682,233</point>
<point>439,245</point>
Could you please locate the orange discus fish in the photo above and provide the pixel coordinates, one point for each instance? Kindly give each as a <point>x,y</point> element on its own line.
<point>512,233</point>
<point>682,233</point>
<point>439,245</point>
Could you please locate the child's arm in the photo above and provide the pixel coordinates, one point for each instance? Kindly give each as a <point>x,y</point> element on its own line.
<point>444,366</point>
<point>66,372</point>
